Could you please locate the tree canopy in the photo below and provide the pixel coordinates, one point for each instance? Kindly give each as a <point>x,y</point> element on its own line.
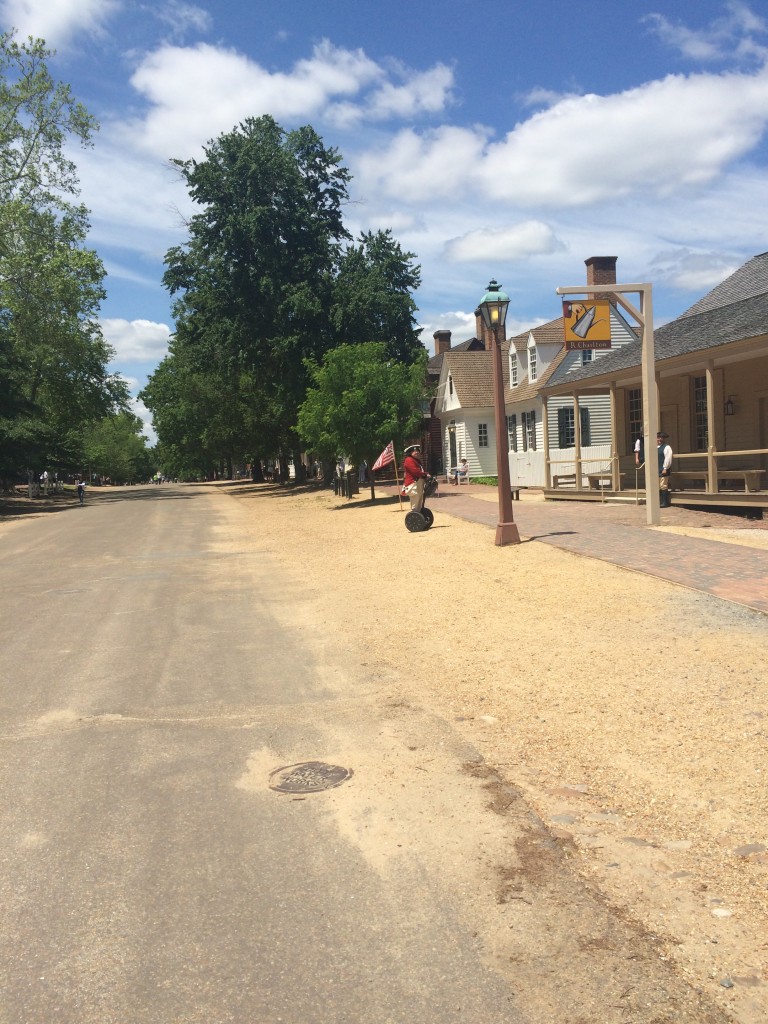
<point>269,278</point>
<point>359,400</point>
<point>51,285</point>
<point>115,447</point>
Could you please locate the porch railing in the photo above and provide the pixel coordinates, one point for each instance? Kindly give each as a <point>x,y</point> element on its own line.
<point>712,472</point>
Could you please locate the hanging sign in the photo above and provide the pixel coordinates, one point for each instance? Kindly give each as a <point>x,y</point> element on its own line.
<point>587,324</point>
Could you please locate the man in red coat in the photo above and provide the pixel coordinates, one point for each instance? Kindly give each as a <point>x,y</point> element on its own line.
<point>414,476</point>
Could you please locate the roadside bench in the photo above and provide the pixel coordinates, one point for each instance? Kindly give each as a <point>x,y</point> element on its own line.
<point>749,477</point>
<point>564,478</point>
<point>596,480</point>
<point>569,480</point>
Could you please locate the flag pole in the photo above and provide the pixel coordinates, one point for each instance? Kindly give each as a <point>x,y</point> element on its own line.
<point>397,480</point>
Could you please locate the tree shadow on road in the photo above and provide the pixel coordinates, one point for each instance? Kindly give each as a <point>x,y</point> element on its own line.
<point>20,506</point>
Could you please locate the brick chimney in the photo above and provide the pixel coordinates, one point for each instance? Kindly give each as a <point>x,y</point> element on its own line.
<point>601,270</point>
<point>442,342</point>
<point>485,334</point>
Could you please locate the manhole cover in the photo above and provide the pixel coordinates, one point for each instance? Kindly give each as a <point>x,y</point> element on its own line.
<point>310,777</point>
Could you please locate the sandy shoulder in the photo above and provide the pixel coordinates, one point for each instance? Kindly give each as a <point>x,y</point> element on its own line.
<point>632,713</point>
<point>747,538</point>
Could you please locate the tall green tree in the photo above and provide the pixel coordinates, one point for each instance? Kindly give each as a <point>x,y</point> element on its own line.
<point>202,416</point>
<point>373,296</point>
<point>360,399</point>
<point>116,447</point>
<point>51,285</point>
<point>267,279</point>
<point>253,282</point>
<point>38,116</point>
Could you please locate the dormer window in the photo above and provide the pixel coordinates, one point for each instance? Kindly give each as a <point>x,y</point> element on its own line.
<point>513,369</point>
<point>532,363</point>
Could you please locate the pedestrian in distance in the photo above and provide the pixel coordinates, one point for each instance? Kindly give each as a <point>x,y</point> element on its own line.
<point>81,491</point>
<point>664,452</point>
<point>460,472</point>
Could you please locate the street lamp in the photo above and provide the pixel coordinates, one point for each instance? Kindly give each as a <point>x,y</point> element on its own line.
<point>493,307</point>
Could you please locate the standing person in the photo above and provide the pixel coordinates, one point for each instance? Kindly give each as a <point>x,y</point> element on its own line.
<point>414,477</point>
<point>664,452</point>
<point>640,451</point>
<point>81,491</point>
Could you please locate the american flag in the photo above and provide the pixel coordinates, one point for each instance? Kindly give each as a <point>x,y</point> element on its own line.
<point>387,456</point>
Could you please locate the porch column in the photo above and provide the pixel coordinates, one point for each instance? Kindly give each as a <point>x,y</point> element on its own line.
<point>545,428</point>
<point>615,466</point>
<point>577,438</point>
<point>712,480</point>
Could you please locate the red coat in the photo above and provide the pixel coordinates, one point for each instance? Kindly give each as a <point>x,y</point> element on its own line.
<point>412,470</point>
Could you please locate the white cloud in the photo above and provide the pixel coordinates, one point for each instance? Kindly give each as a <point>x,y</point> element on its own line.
<point>183,17</point>
<point>676,132</point>
<point>57,21</point>
<point>136,340</point>
<point>735,35</point>
<point>195,93</point>
<point>460,324</point>
<point>692,271</point>
<point>136,202</point>
<point>515,242</point>
<point>139,409</point>
<point>413,167</point>
<point>426,92</point>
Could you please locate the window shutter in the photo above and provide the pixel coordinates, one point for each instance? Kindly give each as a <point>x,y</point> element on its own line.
<point>585,429</point>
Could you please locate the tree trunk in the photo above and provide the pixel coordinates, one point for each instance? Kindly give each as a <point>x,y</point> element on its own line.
<point>299,469</point>
<point>257,473</point>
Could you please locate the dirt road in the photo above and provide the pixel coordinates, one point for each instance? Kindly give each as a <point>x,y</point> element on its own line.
<point>630,714</point>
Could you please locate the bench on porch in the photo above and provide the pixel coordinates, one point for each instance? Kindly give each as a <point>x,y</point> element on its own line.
<point>750,477</point>
<point>565,478</point>
<point>596,480</point>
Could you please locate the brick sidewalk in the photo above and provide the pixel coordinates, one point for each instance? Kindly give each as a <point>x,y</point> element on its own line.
<point>618,534</point>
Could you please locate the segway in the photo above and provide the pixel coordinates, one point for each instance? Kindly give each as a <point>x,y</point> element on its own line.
<point>417,522</point>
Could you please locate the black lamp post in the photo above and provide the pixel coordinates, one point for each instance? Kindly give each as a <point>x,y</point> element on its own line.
<point>493,307</point>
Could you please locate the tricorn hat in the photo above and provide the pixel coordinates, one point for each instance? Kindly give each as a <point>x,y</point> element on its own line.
<point>412,447</point>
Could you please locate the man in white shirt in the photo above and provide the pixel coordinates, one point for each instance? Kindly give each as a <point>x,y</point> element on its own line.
<point>664,452</point>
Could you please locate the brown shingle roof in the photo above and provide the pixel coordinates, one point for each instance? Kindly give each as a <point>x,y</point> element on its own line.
<point>472,376</point>
<point>434,365</point>
<point>472,372</point>
<point>551,333</point>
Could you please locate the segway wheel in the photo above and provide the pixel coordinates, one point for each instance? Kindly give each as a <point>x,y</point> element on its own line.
<point>415,522</point>
<point>427,513</point>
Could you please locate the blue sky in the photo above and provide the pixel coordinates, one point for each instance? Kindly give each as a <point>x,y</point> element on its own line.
<point>512,141</point>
